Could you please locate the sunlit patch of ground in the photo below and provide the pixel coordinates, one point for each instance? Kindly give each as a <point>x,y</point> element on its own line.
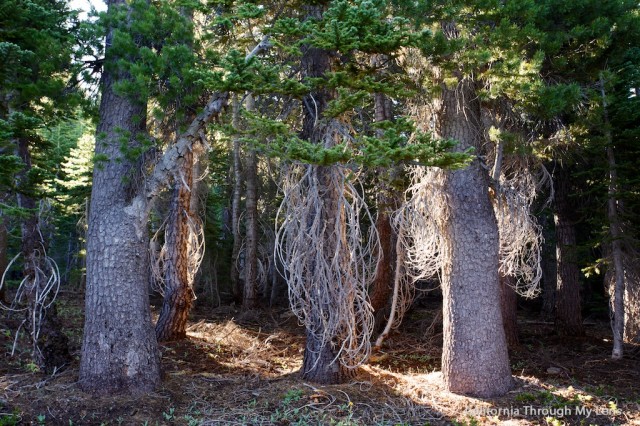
<point>243,370</point>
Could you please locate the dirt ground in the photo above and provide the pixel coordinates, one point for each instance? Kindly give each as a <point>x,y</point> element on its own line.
<point>235,370</point>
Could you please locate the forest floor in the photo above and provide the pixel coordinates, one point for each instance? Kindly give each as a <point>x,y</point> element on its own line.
<point>243,370</point>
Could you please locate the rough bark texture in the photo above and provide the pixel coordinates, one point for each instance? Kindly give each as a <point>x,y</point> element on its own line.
<point>320,365</point>
<point>475,359</point>
<point>568,321</point>
<point>509,304</point>
<point>119,348</point>
<point>178,292</point>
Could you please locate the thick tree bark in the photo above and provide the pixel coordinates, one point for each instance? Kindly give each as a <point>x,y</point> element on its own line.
<point>250,294</point>
<point>319,364</point>
<point>568,321</point>
<point>119,348</point>
<point>178,290</point>
<point>475,359</point>
<point>509,305</point>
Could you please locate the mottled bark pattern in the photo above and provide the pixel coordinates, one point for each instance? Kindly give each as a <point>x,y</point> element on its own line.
<point>475,359</point>
<point>568,321</point>
<point>509,303</point>
<point>119,348</point>
<point>178,293</point>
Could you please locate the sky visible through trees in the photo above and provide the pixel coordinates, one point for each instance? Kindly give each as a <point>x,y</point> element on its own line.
<point>448,186</point>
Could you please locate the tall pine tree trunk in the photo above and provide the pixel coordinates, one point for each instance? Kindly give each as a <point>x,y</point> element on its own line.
<point>250,294</point>
<point>178,290</point>
<point>475,359</point>
<point>615,232</point>
<point>320,363</point>
<point>568,321</point>
<point>236,283</point>
<point>387,202</point>
<point>177,274</point>
<point>119,348</point>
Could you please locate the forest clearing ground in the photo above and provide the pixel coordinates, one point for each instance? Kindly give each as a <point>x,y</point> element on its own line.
<point>243,371</point>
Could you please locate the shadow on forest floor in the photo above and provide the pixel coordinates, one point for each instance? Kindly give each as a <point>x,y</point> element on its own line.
<point>244,372</point>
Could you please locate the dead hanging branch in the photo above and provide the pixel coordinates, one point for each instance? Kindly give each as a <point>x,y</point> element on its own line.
<point>514,192</point>
<point>37,291</point>
<point>327,258</point>
<point>172,160</point>
<point>423,213</point>
<point>195,254</point>
<point>403,285</point>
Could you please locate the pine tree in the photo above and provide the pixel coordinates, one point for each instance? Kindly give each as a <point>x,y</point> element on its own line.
<point>37,79</point>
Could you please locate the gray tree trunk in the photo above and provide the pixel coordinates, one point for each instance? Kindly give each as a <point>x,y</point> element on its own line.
<point>568,321</point>
<point>119,348</point>
<point>236,284</point>
<point>250,294</point>
<point>475,359</point>
<point>615,231</point>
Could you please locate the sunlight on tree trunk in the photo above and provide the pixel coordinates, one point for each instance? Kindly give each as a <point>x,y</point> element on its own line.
<point>454,229</point>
